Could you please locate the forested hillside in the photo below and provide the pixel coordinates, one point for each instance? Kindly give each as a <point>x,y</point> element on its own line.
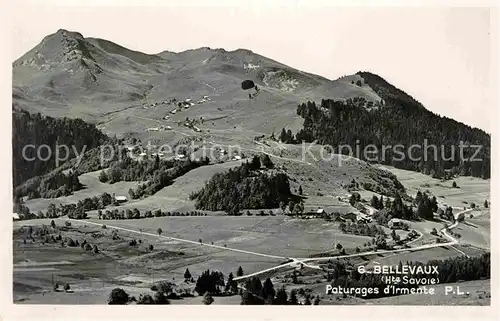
<point>36,130</point>
<point>245,187</point>
<point>400,120</point>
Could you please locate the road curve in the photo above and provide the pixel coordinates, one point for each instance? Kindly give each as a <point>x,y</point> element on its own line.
<point>452,242</point>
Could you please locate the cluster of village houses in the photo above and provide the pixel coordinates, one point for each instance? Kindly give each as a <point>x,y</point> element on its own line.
<point>180,105</point>
<point>188,102</point>
<point>168,102</point>
<point>354,217</point>
<point>351,216</point>
<point>138,153</point>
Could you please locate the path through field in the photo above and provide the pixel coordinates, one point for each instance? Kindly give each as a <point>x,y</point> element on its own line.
<point>295,261</point>
<point>179,239</point>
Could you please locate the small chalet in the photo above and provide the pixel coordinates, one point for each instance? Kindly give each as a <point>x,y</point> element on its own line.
<point>395,223</point>
<point>121,199</point>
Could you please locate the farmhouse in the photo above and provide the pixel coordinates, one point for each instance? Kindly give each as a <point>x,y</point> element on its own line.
<point>395,223</point>
<point>320,211</point>
<point>179,156</point>
<point>16,217</point>
<point>121,199</point>
<point>363,218</point>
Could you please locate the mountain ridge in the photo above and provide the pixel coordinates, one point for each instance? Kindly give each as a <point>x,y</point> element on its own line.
<point>67,69</point>
<point>166,55</point>
<point>68,75</point>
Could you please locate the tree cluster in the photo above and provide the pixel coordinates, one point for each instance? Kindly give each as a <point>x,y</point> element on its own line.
<point>462,268</point>
<point>52,185</point>
<point>78,210</point>
<point>134,213</point>
<point>211,282</point>
<point>426,206</point>
<point>449,270</point>
<point>242,188</point>
<point>130,170</point>
<point>163,178</point>
<point>257,293</point>
<point>22,210</point>
<point>360,228</point>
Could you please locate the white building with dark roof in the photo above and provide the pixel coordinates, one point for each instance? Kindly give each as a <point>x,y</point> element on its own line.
<point>121,199</point>
<point>395,223</point>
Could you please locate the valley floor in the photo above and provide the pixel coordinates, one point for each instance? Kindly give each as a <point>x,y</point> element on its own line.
<point>255,243</point>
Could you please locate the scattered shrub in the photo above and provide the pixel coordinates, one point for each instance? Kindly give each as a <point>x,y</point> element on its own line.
<point>118,296</point>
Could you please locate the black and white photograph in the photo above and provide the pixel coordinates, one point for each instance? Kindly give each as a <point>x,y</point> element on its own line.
<point>251,155</point>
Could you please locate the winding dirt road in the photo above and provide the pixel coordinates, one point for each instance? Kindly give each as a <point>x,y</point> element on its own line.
<point>452,242</point>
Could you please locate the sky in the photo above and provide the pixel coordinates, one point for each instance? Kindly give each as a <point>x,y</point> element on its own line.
<point>441,56</point>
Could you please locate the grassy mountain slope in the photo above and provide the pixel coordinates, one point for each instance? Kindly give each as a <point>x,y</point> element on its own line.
<point>95,77</point>
<point>125,92</point>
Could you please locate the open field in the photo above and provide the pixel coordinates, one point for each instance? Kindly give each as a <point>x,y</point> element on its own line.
<point>92,187</point>
<point>136,267</point>
<point>171,198</point>
<point>252,242</point>
<point>474,234</point>
<point>475,231</point>
<point>92,276</point>
<point>34,263</point>
<point>176,196</point>
<point>470,189</point>
<point>294,237</point>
